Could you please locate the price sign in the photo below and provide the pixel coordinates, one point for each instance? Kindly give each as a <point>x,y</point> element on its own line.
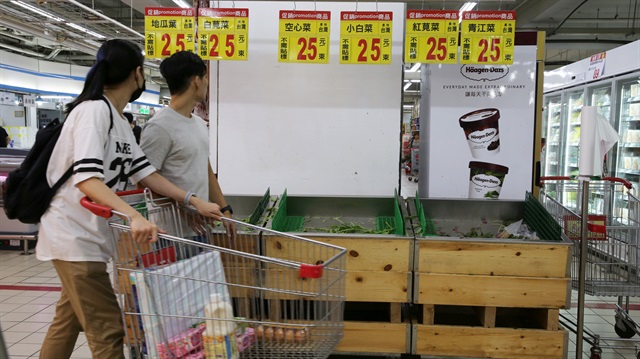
<point>167,31</point>
<point>365,37</point>
<point>223,34</point>
<point>304,36</point>
<point>488,37</point>
<point>431,37</point>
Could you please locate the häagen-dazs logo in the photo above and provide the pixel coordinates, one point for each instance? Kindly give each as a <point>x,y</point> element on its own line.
<point>484,72</point>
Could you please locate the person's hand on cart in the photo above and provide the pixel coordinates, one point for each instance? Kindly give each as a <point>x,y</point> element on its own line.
<point>143,231</point>
<point>207,209</point>
<point>229,226</point>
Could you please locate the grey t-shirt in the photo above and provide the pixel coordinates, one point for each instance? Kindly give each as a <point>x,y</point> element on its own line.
<point>178,147</point>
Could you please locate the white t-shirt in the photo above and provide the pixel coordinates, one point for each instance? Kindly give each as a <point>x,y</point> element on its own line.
<point>68,231</point>
<point>178,147</point>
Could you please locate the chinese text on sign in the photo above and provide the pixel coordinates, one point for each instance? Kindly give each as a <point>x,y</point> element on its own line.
<point>223,34</point>
<point>431,37</point>
<point>167,31</point>
<point>488,37</point>
<point>304,36</point>
<point>365,37</point>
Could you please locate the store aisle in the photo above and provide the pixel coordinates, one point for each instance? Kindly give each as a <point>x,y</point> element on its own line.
<point>29,290</point>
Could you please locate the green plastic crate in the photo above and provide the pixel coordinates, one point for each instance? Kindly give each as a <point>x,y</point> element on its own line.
<point>538,219</point>
<point>283,222</point>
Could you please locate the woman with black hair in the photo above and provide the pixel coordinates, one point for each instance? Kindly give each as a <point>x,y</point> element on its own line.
<point>98,143</point>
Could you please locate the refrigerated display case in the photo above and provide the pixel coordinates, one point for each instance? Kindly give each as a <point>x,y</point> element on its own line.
<point>553,125</point>
<point>573,108</point>
<point>628,126</point>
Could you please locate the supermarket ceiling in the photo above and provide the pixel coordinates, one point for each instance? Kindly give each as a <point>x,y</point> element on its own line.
<point>70,31</point>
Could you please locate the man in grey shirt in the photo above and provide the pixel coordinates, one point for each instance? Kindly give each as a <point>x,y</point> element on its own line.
<point>176,141</point>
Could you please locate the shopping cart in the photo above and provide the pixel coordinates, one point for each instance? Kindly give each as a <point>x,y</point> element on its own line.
<point>201,291</point>
<point>613,253</point>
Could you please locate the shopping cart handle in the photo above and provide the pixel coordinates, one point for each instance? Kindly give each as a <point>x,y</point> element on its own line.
<point>104,211</point>
<point>554,178</point>
<point>619,180</point>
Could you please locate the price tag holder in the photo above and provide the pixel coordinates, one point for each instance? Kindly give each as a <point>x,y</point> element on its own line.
<point>304,36</point>
<point>365,37</point>
<point>488,37</point>
<point>223,34</point>
<point>431,37</point>
<point>167,31</point>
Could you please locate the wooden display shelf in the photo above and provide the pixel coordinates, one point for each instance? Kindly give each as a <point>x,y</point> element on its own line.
<point>378,268</point>
<point>480,342</point>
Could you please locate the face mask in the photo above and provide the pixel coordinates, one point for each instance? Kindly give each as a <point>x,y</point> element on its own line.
<point>137,93</point>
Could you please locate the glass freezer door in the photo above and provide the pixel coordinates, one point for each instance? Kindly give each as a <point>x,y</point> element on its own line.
<point>628,165</point>
<point>553,123</point>
<point>574,102</point>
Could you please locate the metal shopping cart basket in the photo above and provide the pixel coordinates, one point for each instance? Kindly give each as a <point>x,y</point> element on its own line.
<point>613,252</point>
<point>204,291</point>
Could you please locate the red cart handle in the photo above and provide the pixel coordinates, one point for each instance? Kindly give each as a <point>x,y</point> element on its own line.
<point>619,180</point>
<point>105,211</point>
<point>623,181</point>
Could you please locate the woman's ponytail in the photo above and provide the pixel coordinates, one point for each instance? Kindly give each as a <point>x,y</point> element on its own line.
<point>93,86</point>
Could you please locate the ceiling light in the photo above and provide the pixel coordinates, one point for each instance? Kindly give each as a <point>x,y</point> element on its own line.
<point>183,4</point>
<point>468,6</point>
<point>86,31</point>
<point>415,67</point>
<point>36,10</point>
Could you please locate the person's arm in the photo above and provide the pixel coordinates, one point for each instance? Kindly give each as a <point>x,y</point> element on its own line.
<point>142,230</point>
<point>162,186</point>
<point>215,192</point>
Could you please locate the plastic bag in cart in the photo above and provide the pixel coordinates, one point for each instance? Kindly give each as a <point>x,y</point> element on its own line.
<point>180,289</point>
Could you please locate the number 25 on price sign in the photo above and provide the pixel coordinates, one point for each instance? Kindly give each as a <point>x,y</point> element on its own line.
<point>174,42</point>
<point>307,48</point>
<point>221,49</point>
<point>368,50</point>
<point>489,50</point>
<point>436,49</point>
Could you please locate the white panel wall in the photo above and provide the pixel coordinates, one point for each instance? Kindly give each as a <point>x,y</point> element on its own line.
<point>17,71</point>
<point>620,60</point>
<point>313,129</point>
<point>8,115</point>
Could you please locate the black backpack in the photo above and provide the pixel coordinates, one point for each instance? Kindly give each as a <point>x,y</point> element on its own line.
<point>27,194</point>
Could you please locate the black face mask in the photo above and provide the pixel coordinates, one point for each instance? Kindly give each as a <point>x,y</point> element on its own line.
<point>137,93</point>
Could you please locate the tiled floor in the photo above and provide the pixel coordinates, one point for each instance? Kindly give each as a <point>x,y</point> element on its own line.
<point>29,290</point>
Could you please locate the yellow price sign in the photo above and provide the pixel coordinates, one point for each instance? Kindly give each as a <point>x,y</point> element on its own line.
<point>223,34</point>
<point>431,36</point>
<point>365,37</point>
<point>304,36</point>
<point>167,31</point>
<point>488,37</point>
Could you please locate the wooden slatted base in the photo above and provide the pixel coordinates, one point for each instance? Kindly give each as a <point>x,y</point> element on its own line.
<point>480,342</point>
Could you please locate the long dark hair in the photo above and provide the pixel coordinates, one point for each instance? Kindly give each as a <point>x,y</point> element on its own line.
<point>115,61</point>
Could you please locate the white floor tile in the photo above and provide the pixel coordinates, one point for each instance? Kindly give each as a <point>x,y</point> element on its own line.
<point>82,352</point>
<point>44,300</point>
<point>8,308</point>
<point>35,338</point>
<point>40,318</point>
<point>14,337</point>
<point>16,317</point>
<point>23,349</point>
<point>27,327</point>
<point>30,308</point>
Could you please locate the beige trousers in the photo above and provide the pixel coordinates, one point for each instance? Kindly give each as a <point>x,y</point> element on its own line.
<point>87,303</point>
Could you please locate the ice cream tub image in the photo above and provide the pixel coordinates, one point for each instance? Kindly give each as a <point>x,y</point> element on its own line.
<point>486,180</point>
<point>482,131</point>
